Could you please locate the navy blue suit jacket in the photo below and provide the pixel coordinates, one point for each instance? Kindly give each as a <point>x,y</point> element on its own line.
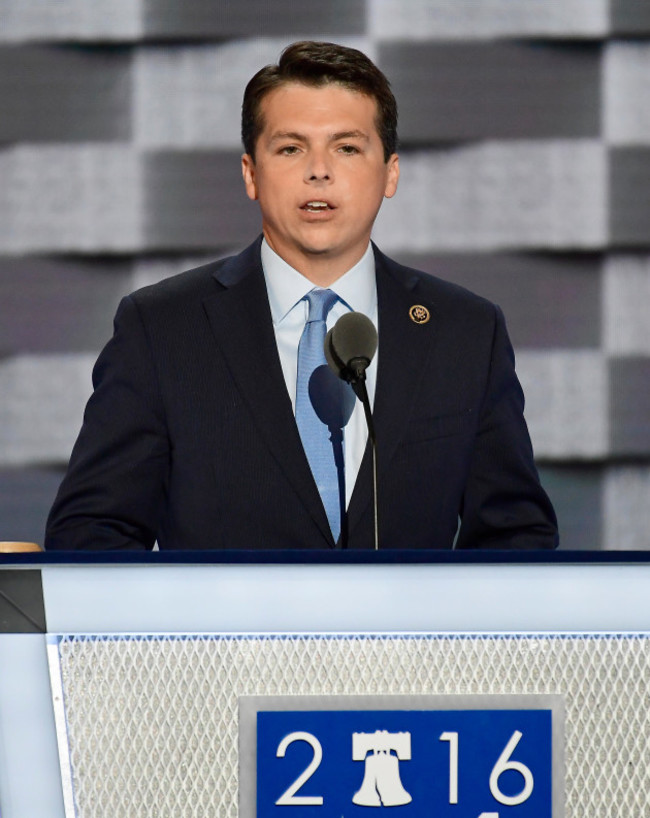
<point>190,439</point>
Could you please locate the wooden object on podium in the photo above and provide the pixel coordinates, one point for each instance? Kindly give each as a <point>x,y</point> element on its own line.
<point>18,547</point>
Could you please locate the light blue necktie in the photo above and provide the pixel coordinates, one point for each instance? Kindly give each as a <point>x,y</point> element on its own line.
<point>322,409</point>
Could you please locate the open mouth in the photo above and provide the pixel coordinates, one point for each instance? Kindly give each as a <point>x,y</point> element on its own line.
<point>316,206</point>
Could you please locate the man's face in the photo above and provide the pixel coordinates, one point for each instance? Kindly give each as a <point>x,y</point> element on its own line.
<point>319,175</point>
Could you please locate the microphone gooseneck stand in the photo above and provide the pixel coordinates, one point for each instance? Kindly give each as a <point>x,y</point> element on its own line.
<point>359,366</point>
<point>349,348</point>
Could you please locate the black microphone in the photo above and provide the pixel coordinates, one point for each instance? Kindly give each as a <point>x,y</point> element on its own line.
<point>349,348</point>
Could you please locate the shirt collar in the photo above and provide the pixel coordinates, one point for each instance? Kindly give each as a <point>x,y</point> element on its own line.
<point>286,286</point>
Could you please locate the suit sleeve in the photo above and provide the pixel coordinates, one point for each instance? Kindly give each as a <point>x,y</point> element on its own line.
<point>114,489</point>
<point>504,505</point>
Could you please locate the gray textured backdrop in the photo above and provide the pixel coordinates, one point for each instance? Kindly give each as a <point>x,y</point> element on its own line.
<point>525,129</point>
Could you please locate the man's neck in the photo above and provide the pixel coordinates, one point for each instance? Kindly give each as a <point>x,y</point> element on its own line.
<point>320,269</point>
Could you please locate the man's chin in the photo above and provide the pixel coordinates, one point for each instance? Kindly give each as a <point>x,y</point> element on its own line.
<point>318,251</point>
<point>323,246</point>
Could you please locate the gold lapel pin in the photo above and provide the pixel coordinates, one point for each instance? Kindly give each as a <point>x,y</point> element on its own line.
<point>419,314</point>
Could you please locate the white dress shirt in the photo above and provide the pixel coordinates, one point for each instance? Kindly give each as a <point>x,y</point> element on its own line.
<point>357,290</point>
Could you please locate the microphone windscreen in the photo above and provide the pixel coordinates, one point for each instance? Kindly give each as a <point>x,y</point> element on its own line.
<point>353,336</point>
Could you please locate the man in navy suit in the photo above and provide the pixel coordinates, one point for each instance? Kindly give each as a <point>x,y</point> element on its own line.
<point>190,437</point>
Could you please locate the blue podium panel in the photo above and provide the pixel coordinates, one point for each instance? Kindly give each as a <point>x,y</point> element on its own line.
<point>459,757</point>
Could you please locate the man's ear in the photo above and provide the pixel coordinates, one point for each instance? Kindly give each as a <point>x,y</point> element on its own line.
<point>248,172</point>
<point>392,176</point>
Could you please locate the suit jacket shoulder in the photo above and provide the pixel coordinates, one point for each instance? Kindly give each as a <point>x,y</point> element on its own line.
<point>444,295</point>
<point>200,282</point>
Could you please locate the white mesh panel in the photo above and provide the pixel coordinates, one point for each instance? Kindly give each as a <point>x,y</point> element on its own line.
<point>152,721</point>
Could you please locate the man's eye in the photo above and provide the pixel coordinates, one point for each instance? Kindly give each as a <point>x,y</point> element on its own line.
<point>289,150</point>
<point>349,149</point>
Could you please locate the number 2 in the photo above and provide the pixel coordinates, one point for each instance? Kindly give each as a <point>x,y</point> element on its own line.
<point>289,797</point>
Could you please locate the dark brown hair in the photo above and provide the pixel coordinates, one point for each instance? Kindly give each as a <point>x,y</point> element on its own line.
<point>315,63</point>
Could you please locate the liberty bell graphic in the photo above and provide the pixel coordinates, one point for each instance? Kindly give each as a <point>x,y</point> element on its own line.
<point>381,784</point>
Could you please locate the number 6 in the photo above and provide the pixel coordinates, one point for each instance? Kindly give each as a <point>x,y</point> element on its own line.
<point>504,763</point>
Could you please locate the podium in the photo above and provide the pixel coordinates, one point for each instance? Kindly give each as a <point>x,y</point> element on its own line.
<point>122,694</point>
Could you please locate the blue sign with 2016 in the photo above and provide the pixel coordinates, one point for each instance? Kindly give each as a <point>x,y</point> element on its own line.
<point>448,763</point>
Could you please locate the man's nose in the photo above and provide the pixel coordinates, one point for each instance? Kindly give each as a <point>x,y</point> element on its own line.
<point>318,168</point>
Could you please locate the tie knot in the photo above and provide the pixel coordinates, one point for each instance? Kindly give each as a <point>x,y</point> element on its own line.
<point>320,303</point>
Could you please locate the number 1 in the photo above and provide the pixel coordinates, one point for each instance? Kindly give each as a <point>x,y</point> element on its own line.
<point>452,738</point>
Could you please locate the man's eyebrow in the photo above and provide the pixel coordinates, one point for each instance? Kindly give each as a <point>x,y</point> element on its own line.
<point>349,135</point>
<point>278,135</point>
<point>298,137</point>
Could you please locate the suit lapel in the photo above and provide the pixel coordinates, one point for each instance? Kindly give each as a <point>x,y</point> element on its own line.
<point>404,348</point>
<point>240,319</point>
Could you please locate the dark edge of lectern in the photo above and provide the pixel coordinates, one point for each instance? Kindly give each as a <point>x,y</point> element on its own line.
<point>324,557</point>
